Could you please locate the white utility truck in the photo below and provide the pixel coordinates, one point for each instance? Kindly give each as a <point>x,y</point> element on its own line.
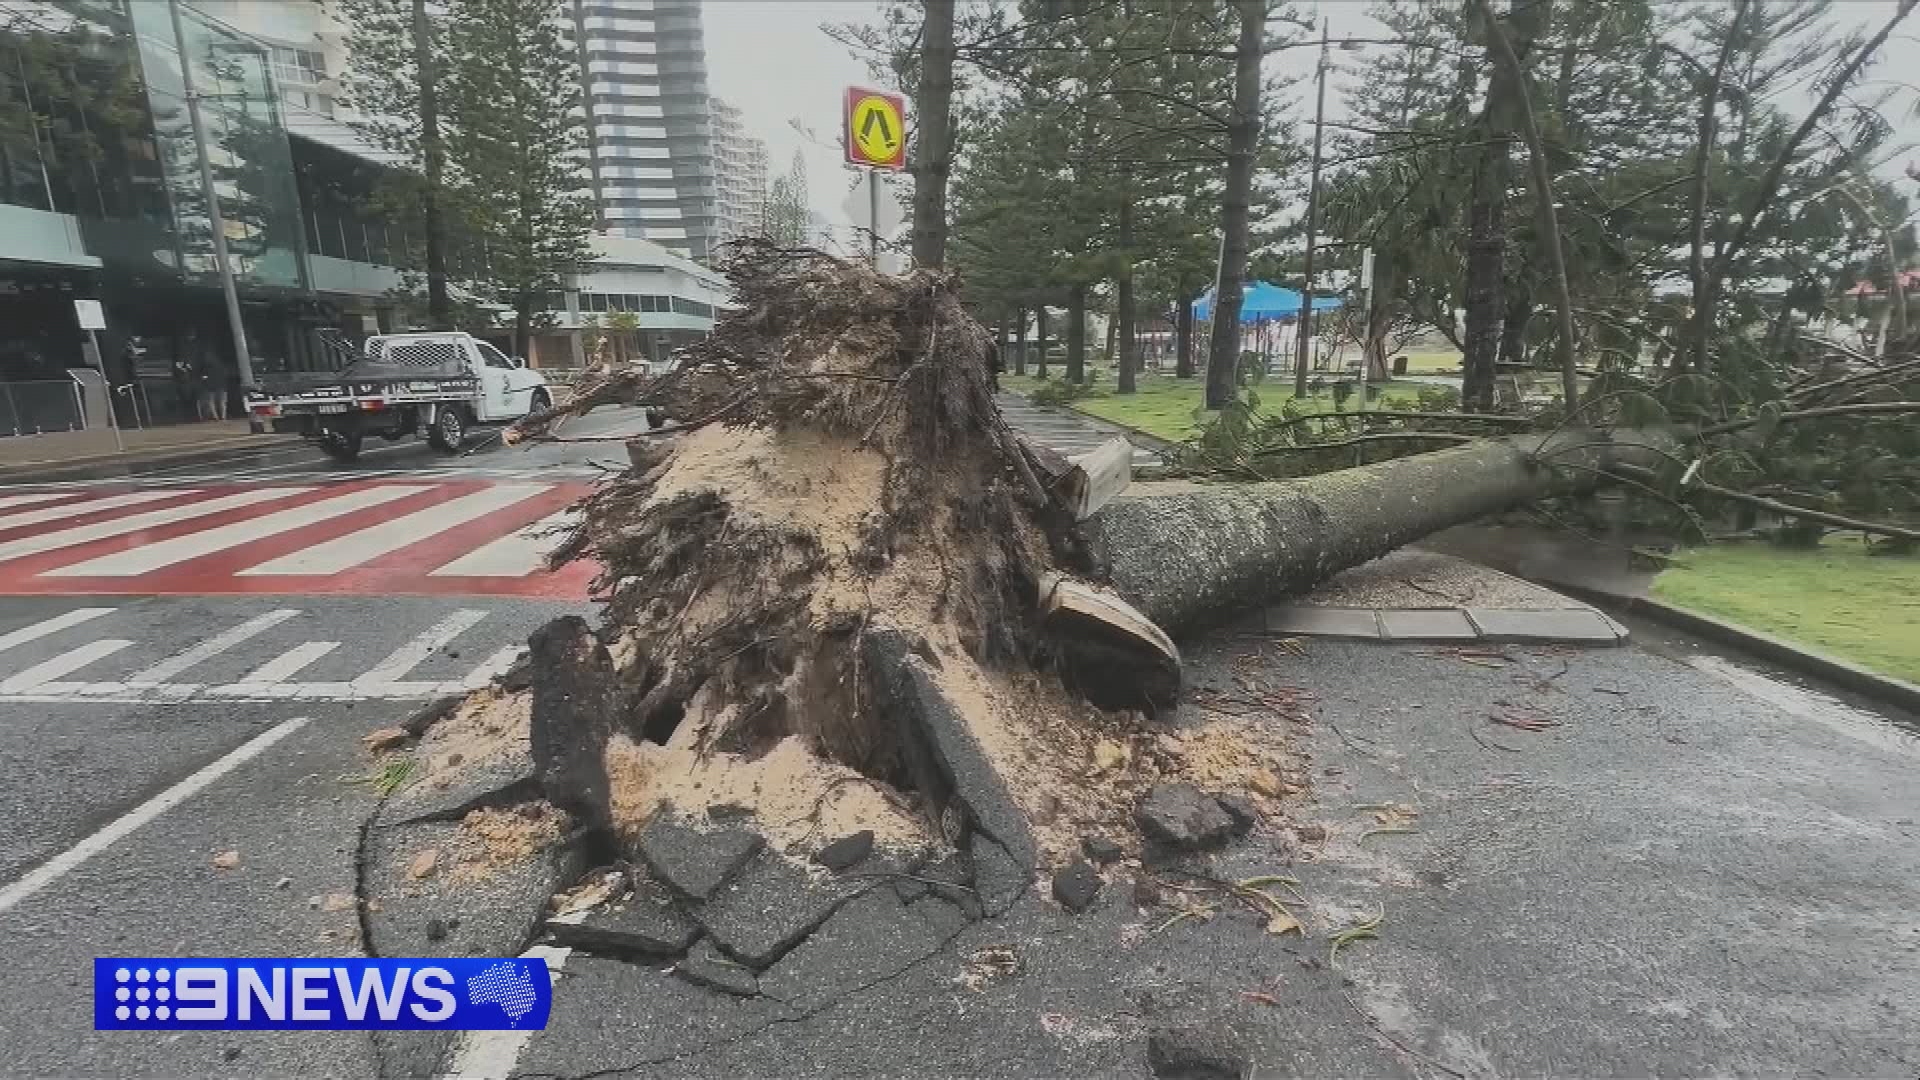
<point>403,384</point>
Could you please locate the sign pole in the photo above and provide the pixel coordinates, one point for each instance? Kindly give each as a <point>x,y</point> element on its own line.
<point>243,362</point>
<point>1366,324</point>
<point>93,337</point>
<point>873,217</point>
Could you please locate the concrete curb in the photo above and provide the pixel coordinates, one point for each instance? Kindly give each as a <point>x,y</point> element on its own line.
<point>211,451</point>
<point>1884,689</point>
<point>1584,625</point>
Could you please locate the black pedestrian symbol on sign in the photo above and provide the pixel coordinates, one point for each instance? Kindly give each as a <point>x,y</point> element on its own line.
<point>877,116</point>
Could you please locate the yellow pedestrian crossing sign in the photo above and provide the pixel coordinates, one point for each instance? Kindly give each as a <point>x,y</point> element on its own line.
<point>876,129</point>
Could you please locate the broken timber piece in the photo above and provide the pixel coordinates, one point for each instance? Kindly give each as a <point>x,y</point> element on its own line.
<point>1083,483</point>
<point>1115,656</point>
<point>1098,475</point>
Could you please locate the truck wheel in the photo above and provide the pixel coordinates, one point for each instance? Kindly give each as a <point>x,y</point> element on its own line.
<point>341,445</point>
<point>449,430</point>
<point>541,400</point>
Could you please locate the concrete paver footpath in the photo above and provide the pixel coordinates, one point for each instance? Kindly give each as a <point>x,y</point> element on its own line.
<point>1422,596</point>
<point>1068,431</point>
<point>27,454</point>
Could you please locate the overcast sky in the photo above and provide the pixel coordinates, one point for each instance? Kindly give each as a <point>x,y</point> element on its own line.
<point>771,59</point>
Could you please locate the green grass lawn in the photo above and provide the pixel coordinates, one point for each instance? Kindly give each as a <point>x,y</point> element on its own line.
<point>1165,406</point>
<point>1431,361</point>
<point>1838,599</point>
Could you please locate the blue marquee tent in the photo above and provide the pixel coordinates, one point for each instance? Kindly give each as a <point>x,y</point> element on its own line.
<point>1265,302</point>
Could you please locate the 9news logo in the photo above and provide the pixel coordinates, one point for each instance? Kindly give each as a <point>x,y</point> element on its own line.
<point>185,994</point>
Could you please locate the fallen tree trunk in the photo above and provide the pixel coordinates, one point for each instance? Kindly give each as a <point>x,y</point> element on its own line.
<point>1193,557</point>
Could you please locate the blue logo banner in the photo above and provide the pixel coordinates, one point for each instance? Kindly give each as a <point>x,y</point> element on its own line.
<point>176,993</point>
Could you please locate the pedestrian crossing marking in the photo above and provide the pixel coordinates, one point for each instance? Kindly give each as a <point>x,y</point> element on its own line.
<point>355,548</point>
<point>150,557</point>
<point>368,537</point>
<point>289,663</point>
<point>210,648</point>
<point>51,626</point>
<point>47,671</point>
<point>520,552</point>
<point>62,677</point>
<point>89,506</point>
<point>101,530</point>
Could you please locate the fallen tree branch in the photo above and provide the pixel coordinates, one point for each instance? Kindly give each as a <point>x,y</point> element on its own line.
<point>1836,520</point>
<point>1385,436</point>
<point>1862,408</point>
<point>1395,414</point>
<point>1860,379</point>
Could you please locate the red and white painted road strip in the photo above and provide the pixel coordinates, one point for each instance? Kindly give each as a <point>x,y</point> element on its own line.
<point>150,557</point>
<point>380,537</point>
<point>347,552</point>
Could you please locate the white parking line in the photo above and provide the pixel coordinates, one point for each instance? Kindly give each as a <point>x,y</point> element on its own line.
<point>57,867</point>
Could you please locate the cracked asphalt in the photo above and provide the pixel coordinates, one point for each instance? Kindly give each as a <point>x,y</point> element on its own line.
<point>1696,869</point>
<point>1699,868</point>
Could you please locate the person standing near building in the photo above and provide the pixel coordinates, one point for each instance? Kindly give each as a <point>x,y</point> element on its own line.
<point>212,386</point>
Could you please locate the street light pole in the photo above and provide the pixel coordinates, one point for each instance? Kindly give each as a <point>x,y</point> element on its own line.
<point>1313,206</point>
<point>243,361</point>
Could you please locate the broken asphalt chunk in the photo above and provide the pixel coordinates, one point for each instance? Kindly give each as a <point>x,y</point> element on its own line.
<point>1075,886</point>
<point>771,908</point>
<point>1101,850</point>
<point>1245,815</point>
<point>1183,817</point>
<point>693,863</point>
<point>646,925</point>
<point>846,852</point>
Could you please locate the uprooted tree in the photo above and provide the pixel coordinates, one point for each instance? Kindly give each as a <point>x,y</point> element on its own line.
<point>834,532</point>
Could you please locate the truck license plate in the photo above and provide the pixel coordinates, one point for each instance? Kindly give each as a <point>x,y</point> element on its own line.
<point>333,408</point>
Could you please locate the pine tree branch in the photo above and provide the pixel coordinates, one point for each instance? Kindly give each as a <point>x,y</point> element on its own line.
<point>1866,408</point>
<point>1837,521</point>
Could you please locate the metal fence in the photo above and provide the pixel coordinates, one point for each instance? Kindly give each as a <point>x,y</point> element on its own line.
<point>41,406</point>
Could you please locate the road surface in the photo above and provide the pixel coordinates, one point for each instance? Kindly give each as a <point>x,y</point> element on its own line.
<point>188,659</point>
<point>1696,867</point>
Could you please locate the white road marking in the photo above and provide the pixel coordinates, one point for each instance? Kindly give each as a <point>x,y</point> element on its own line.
<point>355,548</point>
<point>492,1055</point>
<point>165,553</point>
<point>57,867</point>
<point>210,648</point>
<point>54,625</point>
<point>86,506</point>
<point>408,656</point>
<point>65,664</point>
<point>485,670</point>
<point>516,554</point>
<point>36,497</point>
<point>101,530</point>
<point>290,663</point>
